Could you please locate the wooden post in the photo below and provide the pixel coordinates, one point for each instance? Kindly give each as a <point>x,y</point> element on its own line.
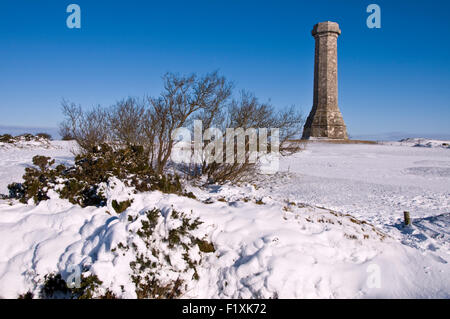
<point>407,218</point>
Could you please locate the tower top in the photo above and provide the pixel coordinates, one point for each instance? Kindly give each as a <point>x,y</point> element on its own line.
<point>326,27</point>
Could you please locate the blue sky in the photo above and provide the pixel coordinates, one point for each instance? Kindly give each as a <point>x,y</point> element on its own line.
<point>396,78</point>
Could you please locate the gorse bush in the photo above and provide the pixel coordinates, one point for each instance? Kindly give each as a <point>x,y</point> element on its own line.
<point>55,287</point>
<point>37,180</point>
<point>163,254</point>
<point>120,207</point>
<point>6,138</point>
<point>44,136</point>
<point>83,182</point>
<point>72,184</point>
<point>27,137</point>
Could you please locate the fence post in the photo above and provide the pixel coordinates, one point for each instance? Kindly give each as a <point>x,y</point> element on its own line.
<point>407,218</point>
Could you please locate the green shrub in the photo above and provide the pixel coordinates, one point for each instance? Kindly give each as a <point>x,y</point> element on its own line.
<point>16,190</point>
<point>156,259</point>
<point>88,287</point>
<point>36,181</point>
<point>27,295</point>
<point>259,202</point>
<point>80,184</point>
<point>150,266</point>
<point>6,138</point>
<point>205,247</point>
<point>120,207</point>
<point>44,136</point>
<point>27,137</point>
<point>56,287</point>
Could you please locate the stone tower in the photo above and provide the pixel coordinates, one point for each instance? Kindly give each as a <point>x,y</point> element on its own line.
<point>325,119</point>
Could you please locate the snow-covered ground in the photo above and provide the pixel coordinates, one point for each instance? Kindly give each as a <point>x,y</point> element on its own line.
<point>420,142</point>
<point>272,239</point>
<point>14,159</point>
<point>374,182</point>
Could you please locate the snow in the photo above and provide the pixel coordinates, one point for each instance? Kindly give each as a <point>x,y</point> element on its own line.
<point>421,142</point>
<point>328,225</point>
<point>376,183</point>
<point>22,142</point>
<point>15,157</point>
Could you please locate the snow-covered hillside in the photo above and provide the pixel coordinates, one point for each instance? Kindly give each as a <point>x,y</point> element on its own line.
<point>327,225</point>
<point>421,142</point>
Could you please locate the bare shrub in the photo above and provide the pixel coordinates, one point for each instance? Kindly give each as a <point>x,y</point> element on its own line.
<point>88,128</point>
<point>248,113</point>
<point>64,132</point>
<point>153,122</point>
<point>126,121</point>
<point>183,98</point>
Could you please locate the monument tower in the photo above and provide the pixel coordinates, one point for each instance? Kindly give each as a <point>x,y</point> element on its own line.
<point>325,120</point>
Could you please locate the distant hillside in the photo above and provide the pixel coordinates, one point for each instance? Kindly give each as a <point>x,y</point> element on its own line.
<point>17,130</point>
<point>397,136</point>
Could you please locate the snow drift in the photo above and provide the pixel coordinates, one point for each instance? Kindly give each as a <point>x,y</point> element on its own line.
<point>266,242</point>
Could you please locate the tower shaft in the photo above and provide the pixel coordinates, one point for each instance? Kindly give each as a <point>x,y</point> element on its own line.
<point>325,119</point>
